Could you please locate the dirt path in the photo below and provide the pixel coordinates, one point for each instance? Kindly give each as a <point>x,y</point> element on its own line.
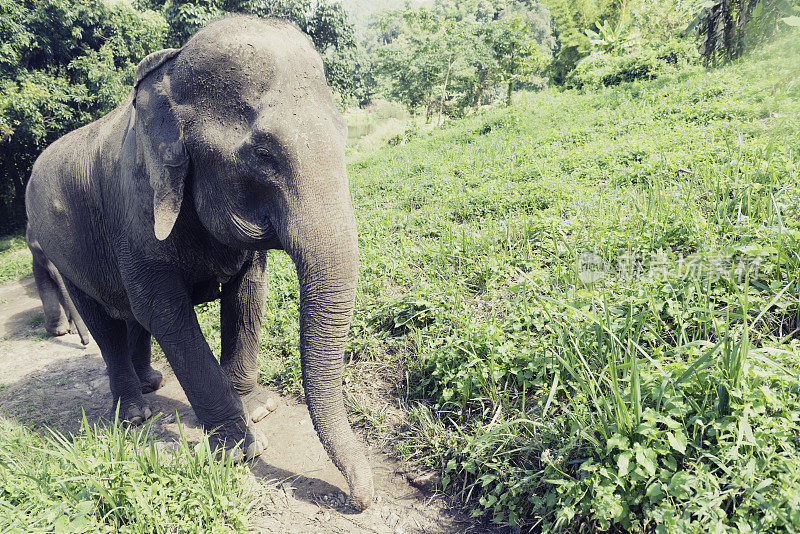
<point>47,381</point>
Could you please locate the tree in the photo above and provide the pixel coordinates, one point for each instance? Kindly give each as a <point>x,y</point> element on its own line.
<point>450,56</point>
<point>572,18</point>
<point>727,28</point>
<point>429,60</point>
<point>518,56</point>
<point>63,63</point>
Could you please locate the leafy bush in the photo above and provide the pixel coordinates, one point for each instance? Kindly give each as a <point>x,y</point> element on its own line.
<point>605,70</point>
<point>677,53</point>
<point>411,131</point>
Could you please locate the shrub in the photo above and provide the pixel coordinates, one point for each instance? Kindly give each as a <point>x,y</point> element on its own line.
<point>606,70</point>
<point>678,53</point>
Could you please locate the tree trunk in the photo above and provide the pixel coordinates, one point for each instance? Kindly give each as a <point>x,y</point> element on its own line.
<point>444,89</point>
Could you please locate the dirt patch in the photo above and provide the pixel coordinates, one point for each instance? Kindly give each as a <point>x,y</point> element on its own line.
<point>49,381</point>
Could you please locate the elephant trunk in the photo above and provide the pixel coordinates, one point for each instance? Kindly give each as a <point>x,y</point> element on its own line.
<point>327,269</point>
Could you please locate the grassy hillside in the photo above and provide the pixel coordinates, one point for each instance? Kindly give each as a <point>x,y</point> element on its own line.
<point>595,297</point>
<point>591,301</point>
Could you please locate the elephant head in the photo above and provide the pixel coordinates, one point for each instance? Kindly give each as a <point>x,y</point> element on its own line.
<point>240,122</point>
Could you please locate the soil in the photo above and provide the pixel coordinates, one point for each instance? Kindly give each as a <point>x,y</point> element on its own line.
<point>48,381</point>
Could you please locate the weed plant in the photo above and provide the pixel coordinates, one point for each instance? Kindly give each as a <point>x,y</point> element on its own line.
<point>15,259</point>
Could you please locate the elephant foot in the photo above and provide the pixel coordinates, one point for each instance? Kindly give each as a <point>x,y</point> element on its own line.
<point>150,380</point>
<point>258,404</point>
<point>237,438</point>
<point>132,411</point>
<point>58,328</point>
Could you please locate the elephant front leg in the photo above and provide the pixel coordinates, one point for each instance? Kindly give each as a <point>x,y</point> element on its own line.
<point>241,317</point>
<point>167,313</point>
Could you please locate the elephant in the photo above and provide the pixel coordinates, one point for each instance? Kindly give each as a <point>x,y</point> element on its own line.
<point>60,315</point>
<point>225,148</point>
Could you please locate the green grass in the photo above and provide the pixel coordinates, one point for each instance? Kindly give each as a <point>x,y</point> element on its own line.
<point>115,479</point>
<point>663,396</point>
<point>15,258</point>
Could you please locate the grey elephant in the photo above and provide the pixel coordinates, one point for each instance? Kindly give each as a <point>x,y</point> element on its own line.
<point>226,147</point>
<point>60,315</point>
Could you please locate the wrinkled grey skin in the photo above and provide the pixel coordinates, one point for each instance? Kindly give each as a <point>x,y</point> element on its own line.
<point>226,147</point>
<point>60,315</point>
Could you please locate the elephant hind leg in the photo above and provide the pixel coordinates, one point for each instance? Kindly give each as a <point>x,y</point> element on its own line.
<point>55,320</point>
<point>59,311</point>
<point>111,336</point>
<point>139,352</point>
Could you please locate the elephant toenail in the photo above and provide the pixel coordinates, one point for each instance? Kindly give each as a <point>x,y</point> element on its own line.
<point>259,413</point>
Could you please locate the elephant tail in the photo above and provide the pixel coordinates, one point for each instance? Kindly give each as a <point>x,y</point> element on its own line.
<point>72,314</point>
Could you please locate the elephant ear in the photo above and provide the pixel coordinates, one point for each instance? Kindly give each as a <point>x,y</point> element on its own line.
<point>153,143</point>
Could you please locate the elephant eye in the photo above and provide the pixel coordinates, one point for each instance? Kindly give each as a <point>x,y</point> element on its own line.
<point>262,152</point>
<point>266,157</point>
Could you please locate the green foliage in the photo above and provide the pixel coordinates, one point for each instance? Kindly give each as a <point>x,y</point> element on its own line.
<point>658,396</point>
<point>726,29</point>
<point>604,69</point>
<point>518,57</point>
<point>572,18</point>
<point>449,57</point>
<point>116,480</point>
<point>185,18</point>
<point>614,28</point>
<point>659,20</point>
<point>15,258</point>
<point>63,63</point>
<point>610,39</point>
<point>429,53</point>
<point>363,12</point>
<point>598,70</point>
